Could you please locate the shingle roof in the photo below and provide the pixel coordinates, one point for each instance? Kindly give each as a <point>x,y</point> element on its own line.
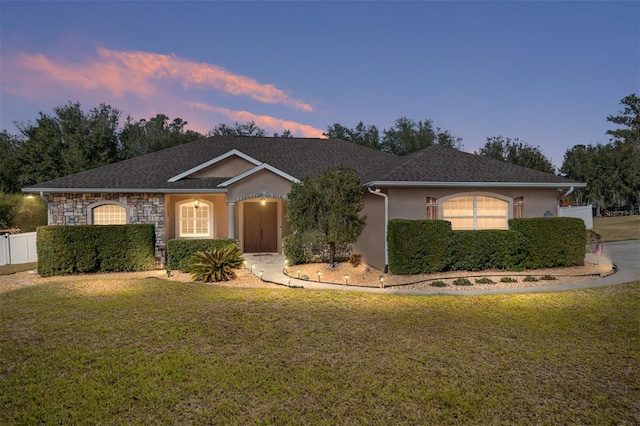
<point>298,157</point>
<point>438,164</point>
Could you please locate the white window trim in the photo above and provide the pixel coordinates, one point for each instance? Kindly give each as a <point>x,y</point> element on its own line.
<point>478,194</point>
<point>178,217</point>
<point>92,206</point>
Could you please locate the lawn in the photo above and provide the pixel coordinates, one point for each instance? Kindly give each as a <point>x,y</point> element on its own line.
<point>154,352</point>
<point>617,228</point>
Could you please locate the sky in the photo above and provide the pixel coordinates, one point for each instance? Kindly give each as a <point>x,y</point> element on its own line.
<point>548,72</point>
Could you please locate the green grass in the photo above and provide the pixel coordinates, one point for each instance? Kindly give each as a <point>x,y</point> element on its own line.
<point>21,267</point>
<point>156,352</point>
<point>617,228</point>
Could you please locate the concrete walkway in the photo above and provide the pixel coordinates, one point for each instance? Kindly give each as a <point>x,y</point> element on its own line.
<point>623,254</point>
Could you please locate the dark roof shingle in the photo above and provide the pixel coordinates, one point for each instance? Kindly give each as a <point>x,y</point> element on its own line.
<point>298,157</point>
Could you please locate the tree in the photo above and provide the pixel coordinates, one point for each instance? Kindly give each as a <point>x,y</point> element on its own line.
<point>629,117</point>
<point>69,141</point>
<point>157,133</point>
<point>362,134</point>
<point>611,171</point>
<point>328,206</point>
<point>626,143</point>
<point>238,129</point>
<point>407,136</point>
<point>286,134</point>
<point>516,152</point>
<point>9,163</point>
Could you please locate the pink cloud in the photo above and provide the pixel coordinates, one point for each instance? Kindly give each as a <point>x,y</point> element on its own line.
<point>263,121</point>
<point>138,73</point>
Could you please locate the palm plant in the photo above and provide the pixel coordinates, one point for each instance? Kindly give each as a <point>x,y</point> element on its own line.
<point>217,264</point>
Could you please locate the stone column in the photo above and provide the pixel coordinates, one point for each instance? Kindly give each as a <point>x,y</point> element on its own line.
<point>231,220</point>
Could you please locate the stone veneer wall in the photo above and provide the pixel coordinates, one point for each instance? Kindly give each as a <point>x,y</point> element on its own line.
<point>71,209</point>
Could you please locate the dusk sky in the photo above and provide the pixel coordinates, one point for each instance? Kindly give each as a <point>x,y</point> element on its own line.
<point>547,72</point>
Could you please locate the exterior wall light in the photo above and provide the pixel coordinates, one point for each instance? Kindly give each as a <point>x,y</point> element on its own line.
<point>263,201</point>
<point>196,203</point>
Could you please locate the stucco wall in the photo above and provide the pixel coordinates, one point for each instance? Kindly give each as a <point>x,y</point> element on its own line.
<point>229,167</point>
<point>72,209</point>
<point>260,184</point>
<point>370,242</point>
<point>219,212</point>
<point>410,203</point>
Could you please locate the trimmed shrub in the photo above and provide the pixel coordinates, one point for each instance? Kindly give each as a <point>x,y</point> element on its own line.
<point>179,252</point>
<point>438,284</point>
<point>530,279</point>
<point>462,282</point>
<point>296,249</point>
<point>418,246</point>
<point>487,249</point>
<point>551,242</point>
<point>508,280</point>
<point>217,264</point>
<point>484,280</point>
<point>89,248</point>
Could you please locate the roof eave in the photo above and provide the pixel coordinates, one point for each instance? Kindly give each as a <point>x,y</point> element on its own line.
<point>127,190</point>
<point>263,166</point>
<point>415,184</point>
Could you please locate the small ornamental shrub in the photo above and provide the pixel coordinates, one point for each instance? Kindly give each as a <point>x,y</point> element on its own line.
<point>548,278</point>
<point>508,280</point>
<point>217,264</point>
<point>438,284</point>
<point>530,279</point>
<point>462,282</point>
<point>355,259</point>
<point>484,280</point>
<point>179,252</point>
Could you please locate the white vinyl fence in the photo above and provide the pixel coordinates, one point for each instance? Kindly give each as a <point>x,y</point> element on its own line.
<point>18,248</point>
<point>582,212</point>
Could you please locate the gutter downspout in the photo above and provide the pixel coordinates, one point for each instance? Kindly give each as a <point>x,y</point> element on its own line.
<point>386,225</point>
<point>565,195</point>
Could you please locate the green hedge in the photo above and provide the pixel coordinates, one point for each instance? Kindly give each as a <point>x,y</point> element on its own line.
<point>418,246</point>
<point>427,246</point>
<point>179,252</point>
<point>487,249</point>
<point>87,248</point>
<point>553,241</point>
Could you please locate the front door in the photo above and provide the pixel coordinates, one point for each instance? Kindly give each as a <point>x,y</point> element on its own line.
<point>260,227</point>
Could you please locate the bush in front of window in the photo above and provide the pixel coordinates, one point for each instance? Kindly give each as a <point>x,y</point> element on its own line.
<point>552,242</point>
<point>179,252</point>
<point>85,249</point>
<point>217,264</point>
<point>487,249</point>
<point>419,246</point>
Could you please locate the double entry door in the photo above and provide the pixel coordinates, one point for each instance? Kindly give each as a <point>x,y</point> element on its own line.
<point>260,227</point>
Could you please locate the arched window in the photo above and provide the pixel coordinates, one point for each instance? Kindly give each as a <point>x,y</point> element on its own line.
<point>476,212</point>
<point>108,214</point>
<point>195,219</point>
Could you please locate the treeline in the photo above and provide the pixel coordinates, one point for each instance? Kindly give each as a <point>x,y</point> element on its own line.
<point>611,171</point>
<point>70,140</point>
